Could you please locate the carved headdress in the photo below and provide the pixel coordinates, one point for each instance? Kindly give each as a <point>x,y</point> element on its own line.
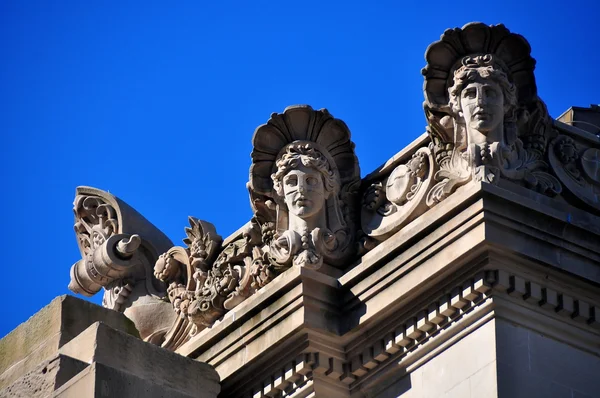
<point>444,57</point>
<point>318,140</point>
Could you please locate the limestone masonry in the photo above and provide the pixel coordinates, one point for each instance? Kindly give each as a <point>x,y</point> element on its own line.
<point>468,265</point>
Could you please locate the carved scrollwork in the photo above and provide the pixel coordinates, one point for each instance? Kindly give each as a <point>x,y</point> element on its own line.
<point>392,203</point>
<point>206,280</point>
<point>118,249</point>
<point>485,122</point>
<point>578,167</point>
<point>453,173</point>
<point>303,184</point>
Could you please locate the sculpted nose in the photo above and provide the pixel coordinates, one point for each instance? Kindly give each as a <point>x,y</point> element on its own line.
<point>301,186</point>
<point>480,99</point>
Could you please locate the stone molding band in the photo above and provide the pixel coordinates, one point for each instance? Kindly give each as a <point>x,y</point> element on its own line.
<point>427,325</point>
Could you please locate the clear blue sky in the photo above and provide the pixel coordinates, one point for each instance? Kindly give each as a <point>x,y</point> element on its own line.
<point>157,102</point>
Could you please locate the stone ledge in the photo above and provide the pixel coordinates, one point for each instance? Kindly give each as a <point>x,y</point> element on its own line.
<point>39,338</point>
<point>425,333</point>
<point>99,380</point>
<point>103,345</point>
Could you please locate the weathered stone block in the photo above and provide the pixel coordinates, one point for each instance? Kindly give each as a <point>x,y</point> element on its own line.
<point>99,380</point>
<point>39,338</point>
<point>100,344</point>
<point>44,379</point>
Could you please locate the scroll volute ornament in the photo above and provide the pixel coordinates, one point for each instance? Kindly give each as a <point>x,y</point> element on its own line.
<point>118,249</point>
<point>399,198</point>
<point>576,162</point>
<point>303,182</point>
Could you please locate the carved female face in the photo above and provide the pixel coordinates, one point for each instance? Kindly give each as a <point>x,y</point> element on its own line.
<point>482,104</point>
<point>304,191</point>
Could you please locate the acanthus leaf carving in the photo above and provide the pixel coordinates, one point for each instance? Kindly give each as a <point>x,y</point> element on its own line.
<point>206,279</point>
<point>485,124</point>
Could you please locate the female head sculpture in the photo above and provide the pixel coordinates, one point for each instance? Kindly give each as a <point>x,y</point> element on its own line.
<point>302,182</point>
<point>305,180</point>
<point>483,97</point>
<point>484,116</point>
<point>308,210</point>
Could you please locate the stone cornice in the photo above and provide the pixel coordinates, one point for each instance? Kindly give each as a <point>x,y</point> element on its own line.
<point>469,237</point>
<point>429,330</point>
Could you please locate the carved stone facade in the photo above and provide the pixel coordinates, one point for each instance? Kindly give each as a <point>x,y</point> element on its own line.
<point>419,280</point>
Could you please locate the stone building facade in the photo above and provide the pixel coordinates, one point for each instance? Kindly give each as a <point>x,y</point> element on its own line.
<point>468,265</point>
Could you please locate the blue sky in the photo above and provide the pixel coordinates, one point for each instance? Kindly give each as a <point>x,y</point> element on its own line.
<point>157,102</point>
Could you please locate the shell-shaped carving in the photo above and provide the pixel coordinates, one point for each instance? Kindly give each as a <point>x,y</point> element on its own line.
<point>444,56</point>
<point>301,123</point>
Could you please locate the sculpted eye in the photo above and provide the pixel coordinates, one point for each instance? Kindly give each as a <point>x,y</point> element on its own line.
<point>469,93</point>
<point>291,181</point>
<point>311,181</point>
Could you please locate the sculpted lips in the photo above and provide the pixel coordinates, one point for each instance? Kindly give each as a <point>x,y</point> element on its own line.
<point>301,201</point>
<point>481,114</point>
